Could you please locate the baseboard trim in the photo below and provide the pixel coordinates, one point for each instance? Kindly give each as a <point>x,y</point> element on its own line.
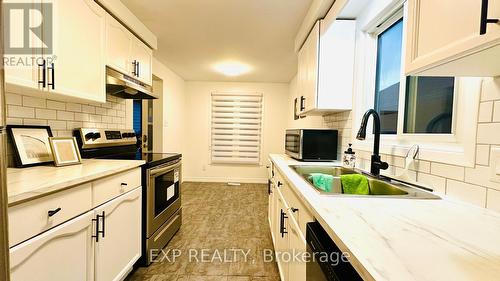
<point>211,179</point>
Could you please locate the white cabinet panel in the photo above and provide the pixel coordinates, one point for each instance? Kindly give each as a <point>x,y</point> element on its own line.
<point>120,246</point>
<point>118,45</point>
<point>79,68</point>
<point>62,253</point>
<point>143,55</point>
<point>439,45</point>
<point>111,187</point>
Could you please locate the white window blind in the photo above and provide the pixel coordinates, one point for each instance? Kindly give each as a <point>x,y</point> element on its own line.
<point>236,128</point>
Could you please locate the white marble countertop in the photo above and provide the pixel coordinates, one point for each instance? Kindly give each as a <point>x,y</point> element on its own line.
<point>406,239</point>
<point>30,183</point>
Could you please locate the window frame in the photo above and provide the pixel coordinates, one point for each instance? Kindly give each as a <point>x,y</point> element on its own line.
<point>456,148</point>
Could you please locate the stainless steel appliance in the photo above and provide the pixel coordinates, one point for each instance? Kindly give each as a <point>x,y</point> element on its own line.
<point>161,182</point>
<point>327,261</point>
<point>4,243</point>
<point>124,86</point>
<point>311,144</point>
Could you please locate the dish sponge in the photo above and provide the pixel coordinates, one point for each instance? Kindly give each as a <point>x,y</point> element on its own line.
<point>355,184</point>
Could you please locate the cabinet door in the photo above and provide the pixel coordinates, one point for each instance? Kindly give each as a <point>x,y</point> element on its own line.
<point>310,75</point>
<point>143,55</point>
<point>120,246</point>
<point>296,244</point>
<point>79,66</point>
<point>439,44</point>
<point>62,253</point>
<point>271,207</point>
<point>118,46</point>
<point>24,70</point>
<point>281,236</point>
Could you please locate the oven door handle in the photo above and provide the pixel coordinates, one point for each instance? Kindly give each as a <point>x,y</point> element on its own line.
<point>160,170</point>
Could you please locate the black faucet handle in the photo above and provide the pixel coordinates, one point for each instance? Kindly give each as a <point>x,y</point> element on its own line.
<point>383,165</point>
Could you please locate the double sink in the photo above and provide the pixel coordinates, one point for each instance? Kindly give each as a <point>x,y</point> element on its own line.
<point>381,187</point>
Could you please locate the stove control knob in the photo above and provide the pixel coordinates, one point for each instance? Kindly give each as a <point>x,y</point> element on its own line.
<point>132,135</point>
<point>89,136</point>
<point>124,135</point>
<point>96,136</point>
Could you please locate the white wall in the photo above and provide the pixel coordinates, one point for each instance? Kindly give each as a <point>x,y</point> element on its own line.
<point>196,161</point>
<point>172,110</point>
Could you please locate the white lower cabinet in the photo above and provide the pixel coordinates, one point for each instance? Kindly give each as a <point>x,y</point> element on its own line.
<point>122,226</point>
<point>102,244</point>
<point>287,219</point>
<point>62,253</point>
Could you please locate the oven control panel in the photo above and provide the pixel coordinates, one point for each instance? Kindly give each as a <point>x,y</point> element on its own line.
<point>93,138</point>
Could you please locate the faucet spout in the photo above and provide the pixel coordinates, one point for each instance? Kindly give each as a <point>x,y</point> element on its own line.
<point>376,163</point>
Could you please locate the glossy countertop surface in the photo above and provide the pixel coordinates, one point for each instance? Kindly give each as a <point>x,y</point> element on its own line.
<point>24,184</point>
<point>405,239</point>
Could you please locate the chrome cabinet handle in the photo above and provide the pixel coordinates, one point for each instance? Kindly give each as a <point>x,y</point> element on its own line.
<point>53,212</point>
<point>484,18</point>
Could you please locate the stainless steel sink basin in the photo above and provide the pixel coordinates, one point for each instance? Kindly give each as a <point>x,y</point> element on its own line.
<point>378,187</point>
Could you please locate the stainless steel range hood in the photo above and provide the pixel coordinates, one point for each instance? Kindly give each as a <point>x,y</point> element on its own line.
<point>124,86</point>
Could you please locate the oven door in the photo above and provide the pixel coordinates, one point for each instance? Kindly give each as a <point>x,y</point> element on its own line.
<point>163,194</point>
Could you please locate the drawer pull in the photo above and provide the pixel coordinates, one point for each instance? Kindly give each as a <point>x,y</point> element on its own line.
<point>53,212</point>
<point>280,183</point>
<point>294,209</point>
<point>123,184</point>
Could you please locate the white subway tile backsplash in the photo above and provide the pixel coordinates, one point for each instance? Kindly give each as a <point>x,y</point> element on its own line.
<point>496,112</point>
<point>95,118</point>
<point>88,109</point>
<point>493,200</point>
<point>421,166</point>
<point>488,133</point>
<point>100,111</point>
<point>480,175</point>
<point>111,112</point>
<point>470,193</point>
<point>57,125</point>
<point>36,122</point>
<point>490,89</point>
<point>438,184</point>
<point>13,99</point>
<point>70,125</point>
<point>51,104</point>
<point>483,154</point>
<point>20,112</point>
<point>485,111</point>
<point>14,121</point>
<point>75,107</point>
<point>448,171</point>
<point>34,102</point>
<point>46,113</point>
<point>81,117</point>
<point>65,115</point>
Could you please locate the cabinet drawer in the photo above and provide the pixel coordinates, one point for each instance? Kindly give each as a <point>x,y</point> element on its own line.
<point>113,186</point>
<point>31,218</point>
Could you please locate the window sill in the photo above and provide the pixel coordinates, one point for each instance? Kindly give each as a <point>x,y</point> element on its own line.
<point>448,153</point>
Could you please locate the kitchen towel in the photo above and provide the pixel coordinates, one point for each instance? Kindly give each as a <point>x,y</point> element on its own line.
<point>322,181</point>
<point>355,184</point>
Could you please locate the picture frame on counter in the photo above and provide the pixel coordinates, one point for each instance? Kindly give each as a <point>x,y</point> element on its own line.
<point>65,151</point>
<point>31,145</point>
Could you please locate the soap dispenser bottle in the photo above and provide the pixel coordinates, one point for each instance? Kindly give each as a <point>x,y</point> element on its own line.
<point>349,157</point>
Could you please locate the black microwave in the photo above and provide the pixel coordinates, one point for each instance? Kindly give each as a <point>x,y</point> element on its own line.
<point>312,144</point>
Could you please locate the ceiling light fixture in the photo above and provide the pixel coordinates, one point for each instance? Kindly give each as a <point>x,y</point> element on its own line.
<point>232,68</point>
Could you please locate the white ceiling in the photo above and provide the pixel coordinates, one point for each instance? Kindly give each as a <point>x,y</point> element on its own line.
<point>193,35</point>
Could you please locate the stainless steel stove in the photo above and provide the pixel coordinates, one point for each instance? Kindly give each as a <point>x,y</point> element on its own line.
<point>161,182</point>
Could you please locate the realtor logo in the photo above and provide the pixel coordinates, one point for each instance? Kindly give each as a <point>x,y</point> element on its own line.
<point>28,28</point>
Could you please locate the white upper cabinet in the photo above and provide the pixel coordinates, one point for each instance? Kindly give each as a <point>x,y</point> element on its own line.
<point>126,53</point>
<point>79,68</point>
<point>118,44</point>
<point>453,38</point>
<point>75,66</point>
<point>326,68</point>
<point>62,253</point>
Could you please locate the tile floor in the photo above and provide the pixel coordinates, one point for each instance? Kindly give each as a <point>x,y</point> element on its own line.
<point>221,224</point>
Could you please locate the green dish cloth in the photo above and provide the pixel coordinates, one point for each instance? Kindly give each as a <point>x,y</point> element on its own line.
<point>322,181</point>
<point>355,184</point>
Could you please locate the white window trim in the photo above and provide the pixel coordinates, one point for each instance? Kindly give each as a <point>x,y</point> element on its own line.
<point>458,148</point>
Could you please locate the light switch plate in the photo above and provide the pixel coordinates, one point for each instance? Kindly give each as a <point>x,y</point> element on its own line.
<point>495,164</point>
